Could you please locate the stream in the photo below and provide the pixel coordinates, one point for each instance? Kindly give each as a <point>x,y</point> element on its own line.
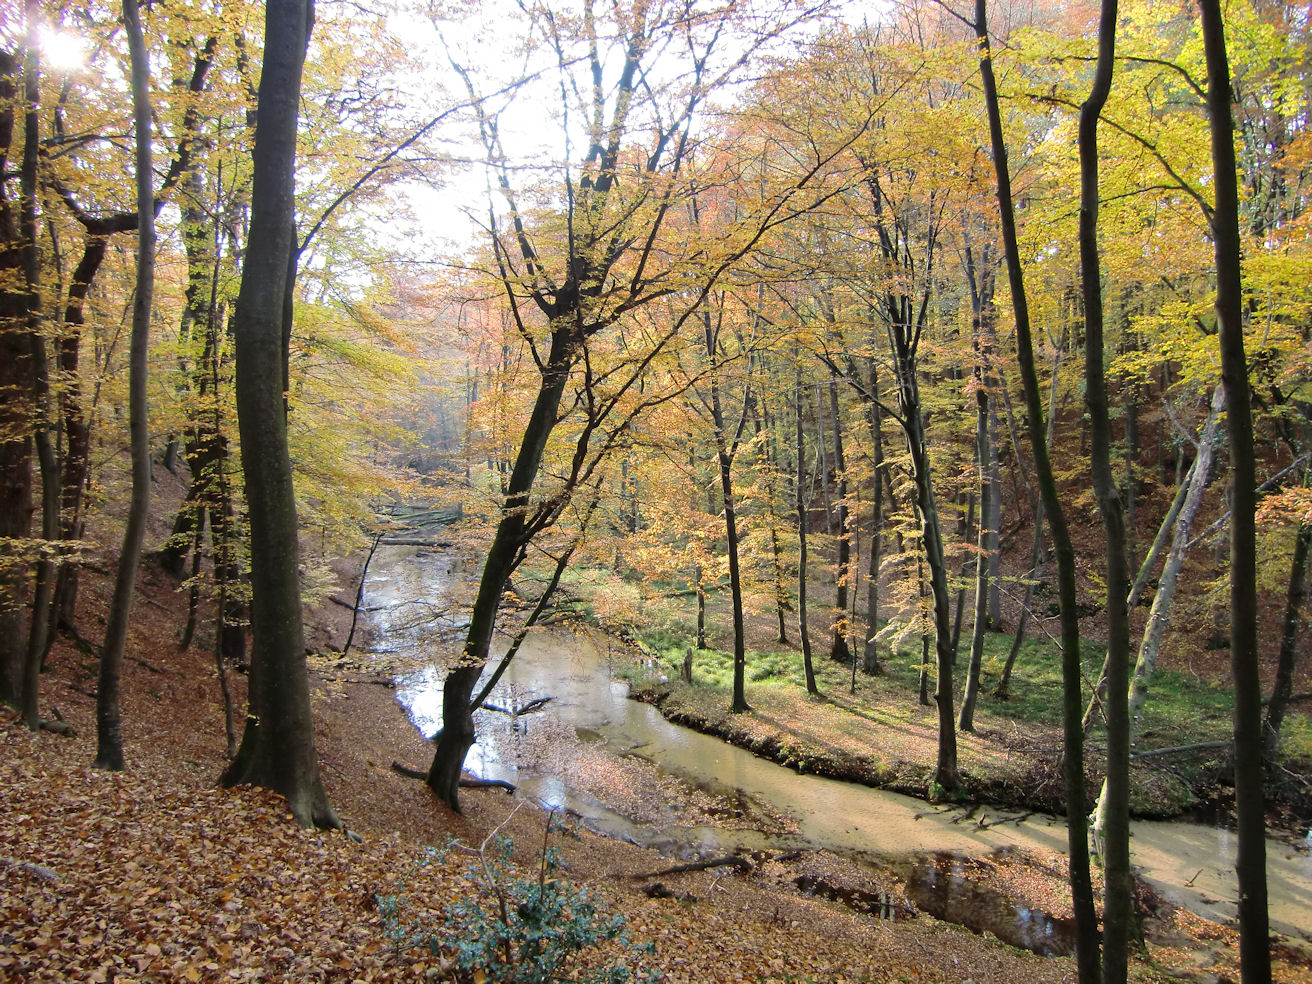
<point>774,808</point>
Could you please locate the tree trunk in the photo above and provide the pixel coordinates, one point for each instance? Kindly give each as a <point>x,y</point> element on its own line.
<point>945,769</point>
<point>992,517</point>
<point>43,594</point>
<point>77,429</point>
<point>973,669</point>
<point>109,729</point>
<point>1118,909</point>
<point>870,654</point>
<point>838,647</point>
<point>1003,690</point>
<point>959,609</point>
<point>726,448</point>
<point>803,630</point>
<point>1254,943</point>
<point>457,734</point>
<point>277,747</point>
<point>1087,941</point>
<point>769,460</point>
<point>15,414</point>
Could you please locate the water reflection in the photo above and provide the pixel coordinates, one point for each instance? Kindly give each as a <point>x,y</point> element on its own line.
<point>1189,864</point>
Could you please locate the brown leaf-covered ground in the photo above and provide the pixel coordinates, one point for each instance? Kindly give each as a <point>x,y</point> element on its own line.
<point>155,874</point>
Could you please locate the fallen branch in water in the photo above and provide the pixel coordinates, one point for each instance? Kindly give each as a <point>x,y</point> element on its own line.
<point>735,861</point>
<point>529,708</point>
<point>1019,818</point>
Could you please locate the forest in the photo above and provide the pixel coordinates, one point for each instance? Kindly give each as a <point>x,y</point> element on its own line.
<point>923,361</point>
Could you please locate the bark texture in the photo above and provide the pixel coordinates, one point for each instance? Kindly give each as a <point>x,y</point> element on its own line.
<point>277,747</point>
<point>1254,942</point>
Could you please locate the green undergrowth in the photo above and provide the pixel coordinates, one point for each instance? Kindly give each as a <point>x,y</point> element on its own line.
<point>880,734</point>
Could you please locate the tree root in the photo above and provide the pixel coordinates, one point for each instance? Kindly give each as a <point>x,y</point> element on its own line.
<point>736,861</point>
<point>412,773</point>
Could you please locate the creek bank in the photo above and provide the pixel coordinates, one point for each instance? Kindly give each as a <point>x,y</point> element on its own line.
<point>1031,782</point>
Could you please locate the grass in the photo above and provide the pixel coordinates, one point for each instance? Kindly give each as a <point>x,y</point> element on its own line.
<point>882,725</point>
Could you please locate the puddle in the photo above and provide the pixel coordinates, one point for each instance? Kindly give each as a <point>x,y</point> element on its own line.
<point>950,887</point>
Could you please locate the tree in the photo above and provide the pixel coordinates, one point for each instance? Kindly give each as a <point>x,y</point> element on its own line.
<point>1254,948</point>
<point>109,731</point>
<point>1072,726</point>
<point>277,747</point>
<point>609,256</point>
<point>1118,912</point>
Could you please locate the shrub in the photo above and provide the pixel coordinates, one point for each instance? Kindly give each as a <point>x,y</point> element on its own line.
<point>514,929</point>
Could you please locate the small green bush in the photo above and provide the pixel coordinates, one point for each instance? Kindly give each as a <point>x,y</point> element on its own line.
<point>514,929</point>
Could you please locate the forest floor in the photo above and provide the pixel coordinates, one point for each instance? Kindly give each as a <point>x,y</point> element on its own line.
<point>155,874</point>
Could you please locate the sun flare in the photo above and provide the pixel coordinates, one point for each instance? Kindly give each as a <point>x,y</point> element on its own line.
<point>62,51</point>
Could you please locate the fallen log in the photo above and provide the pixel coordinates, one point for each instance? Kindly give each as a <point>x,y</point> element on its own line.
<point>39,870</point>
<point>735,861</point>
<point>487,784</point>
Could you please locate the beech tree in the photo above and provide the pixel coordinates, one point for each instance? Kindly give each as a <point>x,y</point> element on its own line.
<point>109,731</point>
<point>277,747</point>
<point>1250,802</point>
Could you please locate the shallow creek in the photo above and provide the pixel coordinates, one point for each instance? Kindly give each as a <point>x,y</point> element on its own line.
<point>1189,864</point>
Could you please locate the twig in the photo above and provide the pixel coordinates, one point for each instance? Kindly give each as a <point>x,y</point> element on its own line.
<point>1202,746</point>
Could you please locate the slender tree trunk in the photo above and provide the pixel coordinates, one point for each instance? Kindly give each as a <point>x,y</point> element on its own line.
<point>959,609</point>
<point>838,647</point>
<point>992,517</point>
<point>945,769</point>
<point>967,719</point>
<point>77,429</point>
<point>1254,942</point>
<point>277,746</point>
<point>870,655</point>
<point>823,446</point>
<point>725,459</point>
<point>1087,941</point>
<point>769,457</point>
<point>38,623</point>
<point>922,588</point>
<point>109,728</point>
<point>1003,690</point>
<point>803,630</point>
<point>1118,908</point>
